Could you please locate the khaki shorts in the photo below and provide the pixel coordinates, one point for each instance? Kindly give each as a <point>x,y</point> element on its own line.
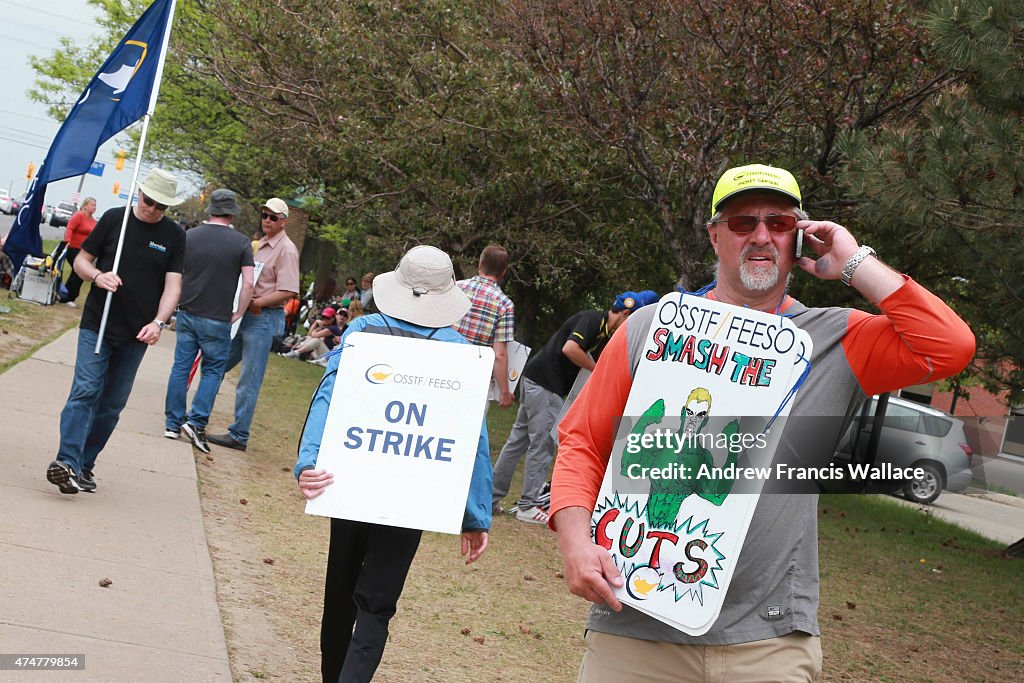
<point>793,658</point>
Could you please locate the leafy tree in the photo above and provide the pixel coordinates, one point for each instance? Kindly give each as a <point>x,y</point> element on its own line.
<point>950,182</point>
<point>196,126</point>
<point>417,126</point>
<point>678,91</point>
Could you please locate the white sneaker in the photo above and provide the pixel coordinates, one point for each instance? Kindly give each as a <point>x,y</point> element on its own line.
<point>72,304</point>
<point>532,515</point>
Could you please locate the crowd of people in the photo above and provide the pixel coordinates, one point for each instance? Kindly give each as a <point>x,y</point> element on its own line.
<point>768,627</point>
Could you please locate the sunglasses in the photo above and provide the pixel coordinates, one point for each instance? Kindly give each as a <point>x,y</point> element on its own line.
<point>272,217</point>
<point>774,223</point>
<point>155,204</point>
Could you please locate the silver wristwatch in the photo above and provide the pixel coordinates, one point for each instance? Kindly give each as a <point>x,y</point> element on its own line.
<point>160,323</point>
<point>862,253</point>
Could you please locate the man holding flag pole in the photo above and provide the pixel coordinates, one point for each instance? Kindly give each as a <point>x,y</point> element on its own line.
<point>129,305</point>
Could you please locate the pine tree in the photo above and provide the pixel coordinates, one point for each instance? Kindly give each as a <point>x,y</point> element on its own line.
<point>944,192</point>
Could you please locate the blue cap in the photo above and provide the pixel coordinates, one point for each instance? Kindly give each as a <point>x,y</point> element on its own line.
<point>647,297</point>
<point>627,301</point>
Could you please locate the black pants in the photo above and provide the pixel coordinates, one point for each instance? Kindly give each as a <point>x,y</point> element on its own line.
<point>366,569</point>
<point>74,283</point>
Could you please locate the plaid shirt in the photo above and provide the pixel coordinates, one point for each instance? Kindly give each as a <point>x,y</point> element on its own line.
<point>490,319</point>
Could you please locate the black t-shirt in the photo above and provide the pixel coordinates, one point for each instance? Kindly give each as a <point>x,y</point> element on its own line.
<point>150,251</point>
<point>550,368</point>
<point>214,258</point>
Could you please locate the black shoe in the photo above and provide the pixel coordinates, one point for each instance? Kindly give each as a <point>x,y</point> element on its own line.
<point>226,440</point>
<point>63,477</point>
<point>86,481</point>
<point>197,435</point>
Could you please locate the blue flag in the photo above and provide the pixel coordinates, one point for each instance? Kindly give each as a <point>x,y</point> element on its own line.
<point>120,93</point>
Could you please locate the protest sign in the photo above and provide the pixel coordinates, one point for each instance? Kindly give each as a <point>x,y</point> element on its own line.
<point>402,431</point>
<point>517,356</point>
<point>711,381</point>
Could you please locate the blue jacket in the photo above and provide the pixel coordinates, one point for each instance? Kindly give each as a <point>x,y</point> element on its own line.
<point>478,505</point>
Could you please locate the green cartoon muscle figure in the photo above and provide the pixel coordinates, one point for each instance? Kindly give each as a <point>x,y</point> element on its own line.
<point>667,495</point>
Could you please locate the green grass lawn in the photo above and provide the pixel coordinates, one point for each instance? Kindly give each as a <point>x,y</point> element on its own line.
<point>904,596</point>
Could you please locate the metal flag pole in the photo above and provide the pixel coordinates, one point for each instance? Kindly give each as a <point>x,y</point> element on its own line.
<point>135,174</point>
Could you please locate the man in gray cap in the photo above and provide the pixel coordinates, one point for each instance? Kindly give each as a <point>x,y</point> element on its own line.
<point>215,257</point>
<point>146,287</point>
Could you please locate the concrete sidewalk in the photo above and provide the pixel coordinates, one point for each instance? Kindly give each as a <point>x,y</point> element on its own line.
<point>143,530</point>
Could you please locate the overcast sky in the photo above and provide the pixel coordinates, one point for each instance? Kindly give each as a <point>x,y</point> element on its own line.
<point>31,27</point>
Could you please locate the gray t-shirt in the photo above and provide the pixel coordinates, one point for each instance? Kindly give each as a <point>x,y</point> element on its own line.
<point>214,258</point>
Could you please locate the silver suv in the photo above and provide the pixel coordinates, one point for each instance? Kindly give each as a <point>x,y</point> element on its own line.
<point>914,435</point>
<point>62,213</point>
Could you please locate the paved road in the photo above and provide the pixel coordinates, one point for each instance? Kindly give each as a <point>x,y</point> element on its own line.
<point>993,515</point>
<point>47,232</point>
<point>1006,472</point>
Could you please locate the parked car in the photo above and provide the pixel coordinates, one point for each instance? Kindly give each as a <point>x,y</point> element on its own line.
<point>62,213</point>
<point>18,202</point>
<point>46,214</point>
<point>6,202</point>
<point>915,435</point>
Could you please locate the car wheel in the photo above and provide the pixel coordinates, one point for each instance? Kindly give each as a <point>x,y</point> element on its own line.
<point>926,489</point>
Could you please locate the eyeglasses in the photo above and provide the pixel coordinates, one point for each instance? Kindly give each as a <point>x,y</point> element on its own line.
<point>272,217</point>
<point>774,223</point>
<point>155,204</point>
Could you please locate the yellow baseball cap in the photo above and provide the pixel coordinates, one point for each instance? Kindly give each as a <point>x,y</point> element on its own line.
<point>755,177</point>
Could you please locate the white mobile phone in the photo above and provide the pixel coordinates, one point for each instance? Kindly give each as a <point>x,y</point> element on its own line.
<point>799,244</point>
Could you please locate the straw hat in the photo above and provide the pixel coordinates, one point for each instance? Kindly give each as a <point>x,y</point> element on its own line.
<point>422,289</point>
<point>161,187</point>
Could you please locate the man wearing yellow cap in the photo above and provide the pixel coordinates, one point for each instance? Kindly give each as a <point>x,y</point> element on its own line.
<point>767,628</point>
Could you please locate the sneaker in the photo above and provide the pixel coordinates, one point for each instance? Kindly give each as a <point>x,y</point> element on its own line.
<point>86,481</point>
<point>226,440</point>
<point>63,477</point>
<point>171,433</point>
<point>532,515</point>
<point>496,509</point>
<point>72,304</point>
<point>197,435</point>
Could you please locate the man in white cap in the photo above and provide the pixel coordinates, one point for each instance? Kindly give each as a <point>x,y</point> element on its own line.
<point>277,281</point>
<point>146,287</point>
<point>418,299</point>
<point>215,257</point>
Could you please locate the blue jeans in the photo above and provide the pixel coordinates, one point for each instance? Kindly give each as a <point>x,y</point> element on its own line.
<point>251,346</point>
<point>99,392</point>
<point>194,334</point>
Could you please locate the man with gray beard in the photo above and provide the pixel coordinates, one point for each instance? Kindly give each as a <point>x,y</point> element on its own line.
<point>768,626</point>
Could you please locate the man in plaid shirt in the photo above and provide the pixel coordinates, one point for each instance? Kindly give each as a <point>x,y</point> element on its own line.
<point>490,318</point>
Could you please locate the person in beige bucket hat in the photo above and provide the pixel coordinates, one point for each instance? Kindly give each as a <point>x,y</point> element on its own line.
<point>417,299</point>
<point>145,287</point>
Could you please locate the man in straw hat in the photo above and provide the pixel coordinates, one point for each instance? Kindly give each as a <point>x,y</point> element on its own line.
<point>418,299</point>
<point>146,287</point>
<point>768,626</point>
<point>215,258</point>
